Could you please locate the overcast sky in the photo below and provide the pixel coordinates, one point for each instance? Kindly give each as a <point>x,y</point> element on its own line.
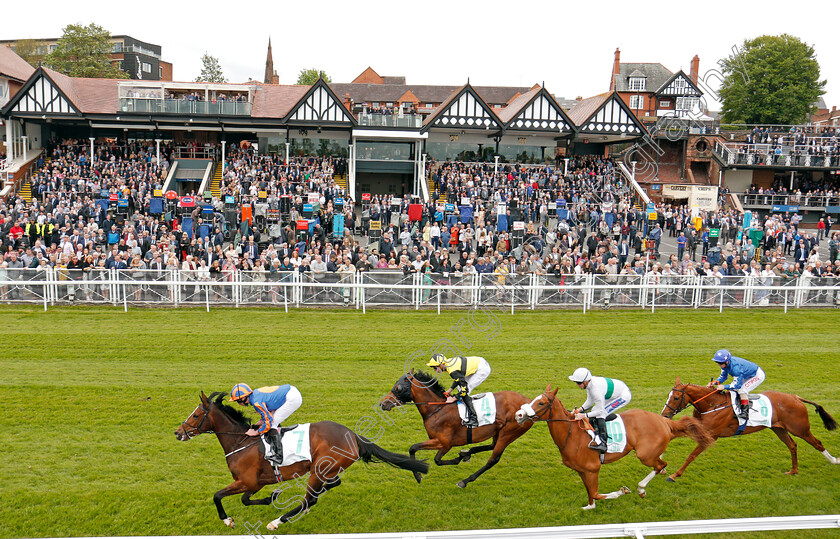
<point>569,46</point>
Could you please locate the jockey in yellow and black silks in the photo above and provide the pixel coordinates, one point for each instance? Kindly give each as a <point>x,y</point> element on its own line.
<point>467,374</point>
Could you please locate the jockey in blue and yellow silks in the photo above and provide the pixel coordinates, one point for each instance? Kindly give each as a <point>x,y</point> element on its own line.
<point>274,404</point>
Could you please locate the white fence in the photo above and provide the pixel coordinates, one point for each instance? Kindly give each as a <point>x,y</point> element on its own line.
<point>427,291</point>
<point>629,529</point>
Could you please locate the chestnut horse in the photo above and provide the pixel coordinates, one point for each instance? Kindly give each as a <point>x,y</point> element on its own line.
<point>443,424</point>
<point>333,448</point>
<point>714,409</point>
<point>648,435</point>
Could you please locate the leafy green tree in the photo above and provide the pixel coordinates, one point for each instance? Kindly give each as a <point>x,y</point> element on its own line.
<point>211,70</point>
<point>31,50</point>
<point>771,80</point>
<point>309,77</point>
<point>82,51</point>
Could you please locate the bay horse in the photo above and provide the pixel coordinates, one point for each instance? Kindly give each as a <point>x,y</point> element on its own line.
<point>648,435</point>
<point>443,423</point>
<point>714,409</point>
<point>333,448</point>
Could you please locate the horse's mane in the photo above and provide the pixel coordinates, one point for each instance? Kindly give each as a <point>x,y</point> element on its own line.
<point>232,413</point>
<point>429,381</point>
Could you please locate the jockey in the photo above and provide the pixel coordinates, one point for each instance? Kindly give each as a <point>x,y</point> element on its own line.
<point>468,373</point>
<point>746,376</point>
<point>603,397</point>
<point>274,404</point>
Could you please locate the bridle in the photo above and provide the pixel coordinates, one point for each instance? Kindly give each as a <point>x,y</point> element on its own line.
<point>196,430</point>
<point>683,397</point>
<point>538,417</point>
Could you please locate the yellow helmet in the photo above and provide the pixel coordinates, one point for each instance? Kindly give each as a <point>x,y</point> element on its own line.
<point>438,360</point>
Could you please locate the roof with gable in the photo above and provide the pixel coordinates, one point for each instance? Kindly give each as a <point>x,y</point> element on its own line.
<point>425,93</point>
<point>587,107</point>
<point>655,74</point>
<point>13,66</point>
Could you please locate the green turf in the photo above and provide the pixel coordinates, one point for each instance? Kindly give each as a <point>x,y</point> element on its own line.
<point>93,396</point>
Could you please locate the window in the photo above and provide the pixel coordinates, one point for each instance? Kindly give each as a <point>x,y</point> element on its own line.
<point>637,102</point>
<point>160,72</point>
<point>53,47</point>
<point>389,104</point>
<point>430,105</point>
<point>687,103</point>
<point>122,65</point>
<point>147,67</point>
<point>637,84</point>
<point>116,47</point>
<point>665,103</point>
<point>497,106</point>
<point>375,104</point>
<point>680,83</point>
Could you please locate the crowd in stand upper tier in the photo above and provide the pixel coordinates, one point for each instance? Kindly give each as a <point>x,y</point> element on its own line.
<point>597,230</point>
<point>771,146</point>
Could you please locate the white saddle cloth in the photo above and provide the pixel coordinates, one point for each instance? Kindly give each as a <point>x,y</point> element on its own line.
<point>485,409</point>
<point>295,445</point>
<point>761,410</point>
<point>617,434</point>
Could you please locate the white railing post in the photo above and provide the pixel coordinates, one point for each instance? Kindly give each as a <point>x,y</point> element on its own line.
<point>235,287</point>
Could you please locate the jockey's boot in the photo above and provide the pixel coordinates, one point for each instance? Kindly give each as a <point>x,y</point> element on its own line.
<point>744,412</point>
<point>472,418</point>
<point>600,426</point>
<point>276,442</point>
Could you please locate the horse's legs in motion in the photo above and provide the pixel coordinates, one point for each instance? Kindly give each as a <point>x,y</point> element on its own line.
<point>784,436</point>
<point>590,481</point>
<point>501,441</point>
<point>236,487</point>
<point>808,436</point>
<point>434,443</point>
<point>466,454</point>
<point>658,466</point>
<point>694,454</point>
<point>314,489</point>
<point>246,499</point>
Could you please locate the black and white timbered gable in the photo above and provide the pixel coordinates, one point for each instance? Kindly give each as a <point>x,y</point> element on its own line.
<point>541,113</point>
<point>41,95</point>
<point>466,110</point>
<point>613,117</point>
<point>320,106</point>
<point>680,85</point>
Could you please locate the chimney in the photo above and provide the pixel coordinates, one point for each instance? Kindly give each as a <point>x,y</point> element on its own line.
<point>348,104</point>
<point>616,68</point>
<point>695,69</point>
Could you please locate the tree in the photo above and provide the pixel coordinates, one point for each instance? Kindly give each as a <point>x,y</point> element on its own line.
<point>211,70</point>
<point>82,51</point>
<point>31,50</point>
<point>309,77</point>
<point>771,80</point>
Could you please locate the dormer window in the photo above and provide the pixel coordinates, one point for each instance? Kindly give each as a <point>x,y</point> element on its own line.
<point>637,84</point>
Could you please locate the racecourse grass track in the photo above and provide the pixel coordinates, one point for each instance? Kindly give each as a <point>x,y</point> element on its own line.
<point>93,396</point>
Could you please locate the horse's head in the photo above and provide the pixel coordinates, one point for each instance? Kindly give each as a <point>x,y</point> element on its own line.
<point>538,408</point>
<point>399,394</point>
<point>197,422</point>
<point>677,400</point>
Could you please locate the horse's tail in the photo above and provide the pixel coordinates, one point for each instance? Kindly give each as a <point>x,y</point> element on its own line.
<point>828,421</point>
<point>692,428</point>
<point>370,452</point>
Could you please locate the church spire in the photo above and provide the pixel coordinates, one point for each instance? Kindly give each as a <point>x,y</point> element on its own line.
<point>270,75</point>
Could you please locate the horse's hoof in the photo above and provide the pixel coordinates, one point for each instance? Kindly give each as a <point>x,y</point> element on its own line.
<point>271,525</point>
<point>642,494</point>
<point>465,455</point>
<point>461,484</point>
<point>588,507</point>
<point>229,522</point>
<point>625,490</point>
<point>792,472</point>
<point>418,476</point>
<point>670,479</point>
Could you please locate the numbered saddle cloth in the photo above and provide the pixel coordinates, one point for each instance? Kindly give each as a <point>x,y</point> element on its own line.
<point>485,409</point>
<point>761,410</point>
<point>617,434</point>
<point>295,445</point>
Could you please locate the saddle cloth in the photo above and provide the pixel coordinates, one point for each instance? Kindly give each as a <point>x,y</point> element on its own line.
<point>485,409</point>
<point>295,444</point>
<point>761,410</point>
<point>617,434</point>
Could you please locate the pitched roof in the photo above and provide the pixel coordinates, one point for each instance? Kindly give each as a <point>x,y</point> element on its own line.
<point>587,107</point>
<point>277,100</point>
<point>425,93</point>
<point>513,108</point>
<point>408,96</point>
<point>13,66</point>
<point>368,76</point>
<point>656,75</point>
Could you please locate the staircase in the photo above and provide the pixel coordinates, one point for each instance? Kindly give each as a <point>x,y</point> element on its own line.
<point>431,183</point>
<point>341,181</point>
<point>26,192</point>
<point>216,182</point>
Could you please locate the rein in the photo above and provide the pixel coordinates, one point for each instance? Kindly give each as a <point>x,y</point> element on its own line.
<point>582,423</point>
<point>195,431</point>
<point>684,397</point>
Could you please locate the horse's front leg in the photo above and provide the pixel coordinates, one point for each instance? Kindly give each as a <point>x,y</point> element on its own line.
<point>237,487</point>
<point>434,443</point>
<point>694,454</point>
<point>590,481</point>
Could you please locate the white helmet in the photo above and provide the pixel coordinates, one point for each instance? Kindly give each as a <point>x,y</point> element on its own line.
<point>581,375</point>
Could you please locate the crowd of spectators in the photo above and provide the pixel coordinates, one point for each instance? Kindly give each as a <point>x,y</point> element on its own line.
<point>767,146</point>
<point>596,230</point>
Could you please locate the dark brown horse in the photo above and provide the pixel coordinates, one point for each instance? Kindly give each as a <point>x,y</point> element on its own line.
<point>714,409</point>
<point>443,424</point>
<point>648,435</point>
<point>333,449</point>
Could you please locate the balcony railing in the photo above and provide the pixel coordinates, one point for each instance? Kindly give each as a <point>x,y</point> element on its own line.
<point>765,154</point>
<point>391,120</point>
<point>182,106</point>
<point>804,201</point>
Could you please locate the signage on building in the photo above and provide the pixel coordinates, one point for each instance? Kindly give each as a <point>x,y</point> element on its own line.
<point>782,208</point>
<point>365,196</point>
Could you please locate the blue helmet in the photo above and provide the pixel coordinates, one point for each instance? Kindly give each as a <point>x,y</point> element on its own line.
<point>722,356</point>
